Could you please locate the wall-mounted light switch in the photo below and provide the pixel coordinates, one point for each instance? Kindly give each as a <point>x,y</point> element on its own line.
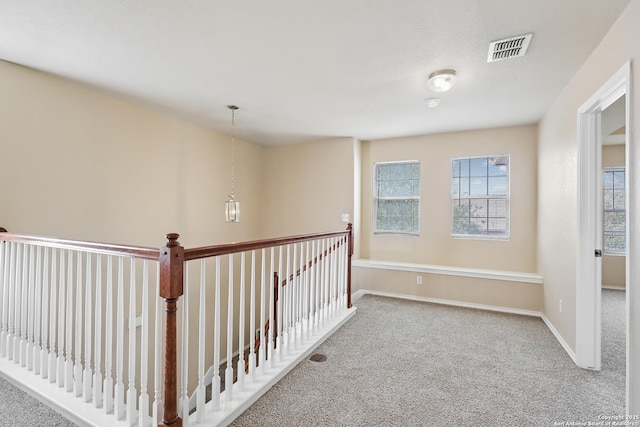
<point>345,217</point>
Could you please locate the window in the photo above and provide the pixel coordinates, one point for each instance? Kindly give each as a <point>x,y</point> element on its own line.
<point>397,197</point>
<point>480,197</point>
<point>614,217</point>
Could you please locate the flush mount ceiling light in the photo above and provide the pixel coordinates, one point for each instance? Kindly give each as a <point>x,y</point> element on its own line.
<point>442,80</point>
<point>432,102</point>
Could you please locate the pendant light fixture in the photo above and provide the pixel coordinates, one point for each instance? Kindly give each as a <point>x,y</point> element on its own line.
<point>232,206</point>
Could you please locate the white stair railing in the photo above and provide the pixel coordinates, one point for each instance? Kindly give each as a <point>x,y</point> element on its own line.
<point>267,304</point>
<point>86,320</point>
<point>57,320</point>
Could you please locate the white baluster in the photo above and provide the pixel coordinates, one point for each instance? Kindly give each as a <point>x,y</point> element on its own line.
<point>263,339</point>
<point>37,313</point>
<point>53,303</point>
<point>278,343</point>
<point>184,398</point>
<point>62,301</point>
<point>46,289</point>
<point>252,319</point>
<point>119,406</point>
<point>307,295</point>
<point>286,312</point>
<point>143,400</point>
<point>77,367</point>
<point>13,341</point>
<point>241,314</point>
<point>228,378</point>
<point>157,412</point>
<point>332,280</point>
<point>215,384</point>
<point>107,391</point>
<point>295,291</point>
<point>312,287</point>
<point>131,390</point>
<point>30,309</point>
<point>97,366</point>
<point>6,297</point>
<point>202,319</point>
<point>3,285</point>
<point>325,280</point>
<point>345,260</point>
<point>87,373</point>
<point>24,310</point>
<point>68,365</point>
<point>272,325</point>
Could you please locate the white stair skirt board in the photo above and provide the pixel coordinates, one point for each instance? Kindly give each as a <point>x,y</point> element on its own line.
<point>63,402</point>
<point>229,411</point>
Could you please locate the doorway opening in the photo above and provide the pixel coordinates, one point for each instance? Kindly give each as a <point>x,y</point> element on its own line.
<point>591,238</point>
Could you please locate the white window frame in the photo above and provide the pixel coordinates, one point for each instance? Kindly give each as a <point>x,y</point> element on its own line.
<point>507,197</point>
<point>605,210</point>
<point>376,198</point>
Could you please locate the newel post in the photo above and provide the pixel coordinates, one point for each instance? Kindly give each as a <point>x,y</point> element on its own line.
<point>350,253</point>
<point>171,289</point>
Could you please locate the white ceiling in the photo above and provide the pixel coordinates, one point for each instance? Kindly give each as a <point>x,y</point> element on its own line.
<point>307,70</point>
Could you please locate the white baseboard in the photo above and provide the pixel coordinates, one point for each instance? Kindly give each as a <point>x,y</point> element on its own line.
<point>561,340</point>
<point>357,295</point>
<point>453,303</point>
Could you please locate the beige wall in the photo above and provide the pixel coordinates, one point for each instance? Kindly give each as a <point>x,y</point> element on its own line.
<point>558,189</point>
<point>488,292</point>
<point>79,164</point>
<point>307,187</point>
<point>613,266</point>
<point>435,245</point>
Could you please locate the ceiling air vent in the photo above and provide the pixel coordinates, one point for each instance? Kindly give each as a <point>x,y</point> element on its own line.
<point>509,48</point>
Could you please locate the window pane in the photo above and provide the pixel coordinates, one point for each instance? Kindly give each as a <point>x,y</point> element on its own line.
<point>618,199</point>
<point>497,208</point>
<point>455,186</point>
<point>397,215</point>
<point>498,165</point>
<point>478,208</point>
<point>607,180</point>
<point>618,180</point>
<point>455,168</point>
<point>497,225</point>
<point>479,166</point>
<point>478,186</point>
<point>464,167</point>
<point>614,221</point>
<point>498,186</point>
<point>615,243</point>
<point>608,200</point>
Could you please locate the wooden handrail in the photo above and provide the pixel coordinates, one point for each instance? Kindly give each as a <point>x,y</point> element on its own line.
<point>217,250</point>
<point>100,248</point>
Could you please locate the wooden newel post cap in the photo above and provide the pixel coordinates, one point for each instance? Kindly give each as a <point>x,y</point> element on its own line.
<point>172,239</point>
<point>3,230</point>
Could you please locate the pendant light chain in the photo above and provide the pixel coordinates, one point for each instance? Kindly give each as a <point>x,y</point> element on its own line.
<point>233,150</point>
